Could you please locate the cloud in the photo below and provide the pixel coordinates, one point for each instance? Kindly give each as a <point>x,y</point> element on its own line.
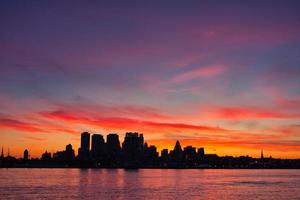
<point>124,123</point>
<point>251,113</point>
<point>19,125</point>
<point>36,127</point>
<point>35,138</point>
<point>202,72</point>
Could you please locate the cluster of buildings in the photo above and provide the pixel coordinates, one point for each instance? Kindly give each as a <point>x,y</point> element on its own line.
<point>135,153</point>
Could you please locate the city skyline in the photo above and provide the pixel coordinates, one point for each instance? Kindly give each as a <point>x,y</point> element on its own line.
<point>134,153</point>
<point>91,141</point>
<point>222,75</point>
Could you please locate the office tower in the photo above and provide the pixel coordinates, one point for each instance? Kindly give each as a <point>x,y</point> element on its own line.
<point>150,155</point>
<point>46,156</point>
<point>141,141</point>
<point>131,144</point>
<point>189,152</point>
<point>2,153</point>
<point>200,153</point>
<point>190,156</point>
<point>98,146</point>
<point>85,141</point>
<point>177,154</point>
<point>26,155</point>
<point>132,148</point>
<point>69,153</point>
<point>113,149</point>
<point>112,142</point>
<point>84,150</point>
<point>164,153</point>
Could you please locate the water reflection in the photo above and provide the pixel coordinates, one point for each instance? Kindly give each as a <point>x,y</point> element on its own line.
<point>149,184</point>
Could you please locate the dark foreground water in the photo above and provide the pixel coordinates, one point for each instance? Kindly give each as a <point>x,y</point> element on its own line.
<point>148,184</point>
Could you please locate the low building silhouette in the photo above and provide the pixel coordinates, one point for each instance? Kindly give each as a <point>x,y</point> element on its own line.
<point>46,157</point>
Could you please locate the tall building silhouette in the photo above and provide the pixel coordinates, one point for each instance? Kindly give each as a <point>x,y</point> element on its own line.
<point>164,153</point>
<point>190,157</point>
<point>201,152</point>
<point>132,148</point>
<point>2,153</point>
<point>141,141</point>
<point>113,149</point>
<point>112,142</point>
<point>69,153</point>
<point>84,150</point>
<point>85,141</point>
<point>26,155</point>
<point>177,153</point>
<point>98,146</point>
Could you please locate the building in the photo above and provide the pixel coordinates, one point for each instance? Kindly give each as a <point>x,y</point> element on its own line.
<point>133,148</point>
<point>2,153</point>
<point>150,155</point>
<point>201,153</point>
<point>190,156</point>
<point>177,153</point>
<point>85,141</point>
<point>69,153</point>
<point>113,142</point>
<point>98,146</point>
<point>164,154</point>
<point>84,150</point>
<point>46,156</point>
<point>113,150</point>
<point>26,155</point>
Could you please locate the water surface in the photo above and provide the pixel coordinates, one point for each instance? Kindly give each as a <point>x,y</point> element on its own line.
<point>149,184</point>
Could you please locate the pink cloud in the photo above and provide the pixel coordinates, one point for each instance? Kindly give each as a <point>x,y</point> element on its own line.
<point>120,123</point>
<point>202,72</point>
<point>251,113</point>
<point>19,125</point>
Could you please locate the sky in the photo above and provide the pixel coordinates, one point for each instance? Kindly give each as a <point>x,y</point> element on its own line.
<point>223,75</point>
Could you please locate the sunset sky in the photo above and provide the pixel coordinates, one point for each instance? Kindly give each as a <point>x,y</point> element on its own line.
<point>214,74</point>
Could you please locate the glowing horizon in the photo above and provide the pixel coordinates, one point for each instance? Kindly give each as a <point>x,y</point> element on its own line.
<point>223,76</point>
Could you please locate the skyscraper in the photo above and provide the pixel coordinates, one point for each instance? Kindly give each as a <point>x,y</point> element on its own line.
<point>131,144</point>
<point>177,153</point>
<point>98,146</point>
<point>84,150</point>
<point>69,153</point>
<point>85,141</point>
<point>200,154</point>
<point>113,149</point>
<point>132,148</point>
<point>26,155</point>
<point>113,142</point>
<point>2,154</point>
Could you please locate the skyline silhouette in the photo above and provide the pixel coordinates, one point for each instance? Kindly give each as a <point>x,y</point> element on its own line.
<point>135,153</point>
